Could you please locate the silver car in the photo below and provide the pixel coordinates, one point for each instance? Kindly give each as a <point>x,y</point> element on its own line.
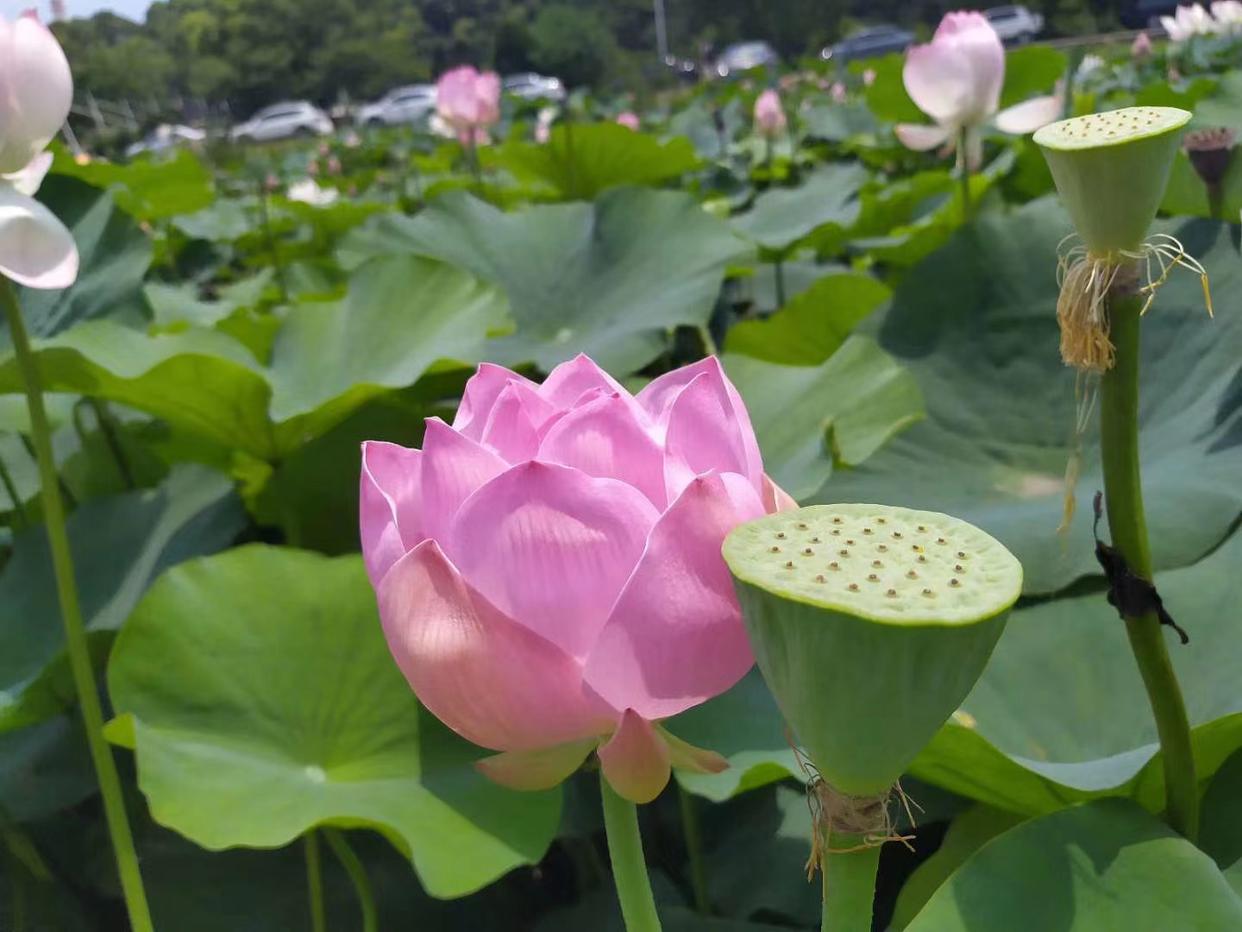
<point>1015,23</point>
<point>407,104</point>
<point>281,121</point>
<point>531,86</point>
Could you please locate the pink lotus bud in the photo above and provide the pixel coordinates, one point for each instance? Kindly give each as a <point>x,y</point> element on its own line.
<point>543,132</point>
<point>36,90</point>
<point>838,92</point>
<point>770,118</point>
<point>548,567</point>
<point>1140,49</point>
<point>468,100</point>
<point>334,165</point>
<point>868,77</point>
<point>629,120</point>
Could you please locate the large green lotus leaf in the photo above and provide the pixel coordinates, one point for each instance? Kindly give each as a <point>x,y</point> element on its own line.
<point>224,221</point>
<point>609,279</point>
<point>113,255</point>
<point>745,726</point>
<point>1221,835</point>
<point>780,217</point>
<point>811,418</point>
<point>44,768</point>
<point>966,834</point>
<point>1102,865</point>
<point>401,315</point>
<point>840,122</point>
<point>120,544</point>
<point>1060,713</point>
<point>813,324</point>
<point>580,160</point>
<point>261,699</point>
<point>200,379</point>
<point>976,325</point>
<point>149,188</point>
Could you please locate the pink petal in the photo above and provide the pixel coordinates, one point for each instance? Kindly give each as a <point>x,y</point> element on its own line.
<point>676,637</point>
<point>491,680</point>
<point>775,498</point>
<point>536,770</point>
<point>453,467</point>
<point>514,426</point>
<point>487,98</point>
<point>1030,115</point>
<point>939,81</point>
<point>708,429</point>
<point>685,756</point>
<point>569,381</point>
<point>480,395</point>
<point>35,248</point>
<point>604,438</point>
<point>920,137</point>
<point>456,100</point>
<point>635,760</point>
<point>551,547</point>
<point>389,505</point>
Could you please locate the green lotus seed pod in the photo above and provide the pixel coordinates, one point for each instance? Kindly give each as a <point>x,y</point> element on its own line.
<point>1111,170</point>
<point>870,624</point>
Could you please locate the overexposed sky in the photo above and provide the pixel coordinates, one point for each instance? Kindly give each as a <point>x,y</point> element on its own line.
<point>134,9</point>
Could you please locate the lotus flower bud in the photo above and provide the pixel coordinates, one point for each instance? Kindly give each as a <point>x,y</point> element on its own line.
<point>769,115</point>
<point>36,90</point>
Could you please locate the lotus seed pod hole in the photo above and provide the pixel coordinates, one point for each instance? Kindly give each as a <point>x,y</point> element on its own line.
<point>1110,128</point>
<point>885,563</point>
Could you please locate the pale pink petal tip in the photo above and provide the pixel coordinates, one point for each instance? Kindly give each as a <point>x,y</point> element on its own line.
<point>635,760</point>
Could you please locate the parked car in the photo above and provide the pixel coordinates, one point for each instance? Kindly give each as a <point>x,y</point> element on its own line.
<point>407,104</point>
<point>164,137</point>
<point>280,121</point>
<point>869,43</point>
<point>745,56</point>
<point>1015,23</point>
<point>531,86</point>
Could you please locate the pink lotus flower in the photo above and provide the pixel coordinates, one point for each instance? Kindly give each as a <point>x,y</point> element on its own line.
<point>838,92</point>
<point>548,568</point>
<point>629,120</point>
<point>868,77</point>
<point>468,101</point>
<point>1140,48</point>
<point>956,80</point>
<point>36,90</point>
<point>769,114</point>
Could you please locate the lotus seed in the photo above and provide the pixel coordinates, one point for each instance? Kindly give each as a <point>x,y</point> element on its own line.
<point>883,548</point>
<point>891,593</point>
<point>954,582</point>
<point>853,587</point>
<point>877,564</point>
<point>958,568</point>
<point>872,577</point>
<point>928,592</point>
<point>774,549</point>
<point>866,530</point>
<point>961,555</point>
<point>910,574</point>
<point>789,565</point>
<point>807,551</point>
<point>780,535</point>
<point>844,553</point>
<point>834,565</point>
<point>820,578</point>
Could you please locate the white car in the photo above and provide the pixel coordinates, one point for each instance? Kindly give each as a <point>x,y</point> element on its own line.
<point>164,137</point>
<point>280,121</point>
<point>531,86</point>
<point>400,105</point>
<point>1015,23</point>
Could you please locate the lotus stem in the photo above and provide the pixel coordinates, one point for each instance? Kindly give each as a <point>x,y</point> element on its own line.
<point>357,876</point>
<point>75,631</point>
<point>20,518</point>
<point>629,868</point>
<point>1119,396</point>
<point>779,272</point>
<point>694,851</point>
<point>849,874</point>
<point>265,218</point>
<point>107,427</point>
<point>314,882</point>
<point>964,174</point>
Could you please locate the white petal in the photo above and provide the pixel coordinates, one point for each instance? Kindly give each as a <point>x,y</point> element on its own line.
<point>1030,115</point>
<point>35,248</point>
<point>27,180</point>
<point>921,137</point>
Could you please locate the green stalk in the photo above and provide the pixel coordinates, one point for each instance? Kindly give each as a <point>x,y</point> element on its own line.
<point>1119,396</point>
<point>108,427</point>
<point>694,851</point>
<point>849,883</point>
<point>265,219</point>
<point>964,173</point>
<point>779,272</point>
<point>75,632</point>
<point>629,869</point>
<point>357,876</point>
<point>314,882</point>
<point>20,518</point>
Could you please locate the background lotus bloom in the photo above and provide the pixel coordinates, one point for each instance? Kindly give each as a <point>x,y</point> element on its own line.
<point>548,568</point>
<point>1228,15</point>
<point>36,90</point>
<point>468,101</point>
<point>1188,22</point>
<point>956,80</point>
<point>1141,48</point>
<point>629,120</point>
<point>769,114</point>
<point>307,191</point>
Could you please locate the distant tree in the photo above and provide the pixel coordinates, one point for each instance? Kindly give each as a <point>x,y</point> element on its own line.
<point>572,44</point>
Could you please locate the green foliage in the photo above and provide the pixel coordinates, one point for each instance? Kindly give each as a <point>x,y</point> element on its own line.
<point>572,43</point>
